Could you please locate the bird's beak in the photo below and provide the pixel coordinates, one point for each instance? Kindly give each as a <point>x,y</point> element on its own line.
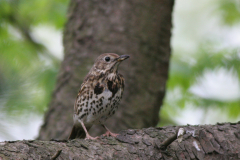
<point>122,57</point>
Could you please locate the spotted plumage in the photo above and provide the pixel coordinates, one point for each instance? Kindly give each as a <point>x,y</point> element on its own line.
<point>99,95</point>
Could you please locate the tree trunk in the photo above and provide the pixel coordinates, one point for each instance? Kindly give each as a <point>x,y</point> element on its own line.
<point>139,28</point>
<point>208,142</point>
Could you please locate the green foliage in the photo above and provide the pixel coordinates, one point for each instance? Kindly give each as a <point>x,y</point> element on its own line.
<point>183,75</point>
<point>27,68</point>
<point>230,11</point>
<point>35,12</point>
<point>210,54</point>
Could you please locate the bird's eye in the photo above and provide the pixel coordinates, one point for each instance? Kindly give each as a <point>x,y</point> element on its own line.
<point>107,59</point>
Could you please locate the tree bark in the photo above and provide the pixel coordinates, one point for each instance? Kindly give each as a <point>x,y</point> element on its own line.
<point>221,141</point>
<point>139,28</point>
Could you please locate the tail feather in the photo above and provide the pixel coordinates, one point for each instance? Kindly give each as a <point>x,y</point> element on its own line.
<point>77,132</point>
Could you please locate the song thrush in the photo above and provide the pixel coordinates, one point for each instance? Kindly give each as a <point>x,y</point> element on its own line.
<point>99,95</point>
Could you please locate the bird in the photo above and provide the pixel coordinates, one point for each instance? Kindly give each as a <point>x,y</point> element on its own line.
<point>99,96</point>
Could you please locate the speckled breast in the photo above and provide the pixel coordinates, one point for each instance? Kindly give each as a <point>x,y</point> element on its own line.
<point>100,107</point>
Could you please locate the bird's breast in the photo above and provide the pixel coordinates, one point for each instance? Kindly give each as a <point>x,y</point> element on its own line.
<point>103,97</point>
<point>101,107</point>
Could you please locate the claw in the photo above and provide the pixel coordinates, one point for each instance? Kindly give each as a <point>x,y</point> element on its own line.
<point>90,137</point>
<point>111,134</point>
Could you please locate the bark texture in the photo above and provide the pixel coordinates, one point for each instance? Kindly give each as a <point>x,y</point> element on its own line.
<point>221,141</point>
<point>139,28</point>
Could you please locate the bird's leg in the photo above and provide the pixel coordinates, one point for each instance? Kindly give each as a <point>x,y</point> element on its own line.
<point>109,132</point>
<point>87,134</point>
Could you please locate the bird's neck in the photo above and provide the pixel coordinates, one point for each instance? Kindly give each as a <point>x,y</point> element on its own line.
<point>110,75</point>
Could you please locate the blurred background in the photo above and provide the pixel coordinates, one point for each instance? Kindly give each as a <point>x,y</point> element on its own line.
<point>203,85</point>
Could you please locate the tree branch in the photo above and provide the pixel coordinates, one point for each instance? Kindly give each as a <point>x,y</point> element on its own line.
<point>199,142</point>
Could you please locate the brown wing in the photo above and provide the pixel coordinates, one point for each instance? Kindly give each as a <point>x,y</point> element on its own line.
<point>121,80</point>
<point>122,83</point>
<point>80,97</point>
<point>86,92</point>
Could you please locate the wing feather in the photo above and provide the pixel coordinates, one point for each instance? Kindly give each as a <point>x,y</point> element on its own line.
<point>79,97</point>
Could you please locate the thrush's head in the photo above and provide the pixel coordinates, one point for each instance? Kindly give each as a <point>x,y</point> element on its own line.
<point>107,63</point>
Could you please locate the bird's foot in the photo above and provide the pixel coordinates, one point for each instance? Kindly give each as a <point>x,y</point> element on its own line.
<point>111,134</point>
<point>90,137</point>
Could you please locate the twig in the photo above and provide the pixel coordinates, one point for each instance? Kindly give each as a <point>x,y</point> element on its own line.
<point>31,145</point>
<point>167,142</point>
<point>56,155</point>
<point>59,140</point>
<point>83,146</point>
